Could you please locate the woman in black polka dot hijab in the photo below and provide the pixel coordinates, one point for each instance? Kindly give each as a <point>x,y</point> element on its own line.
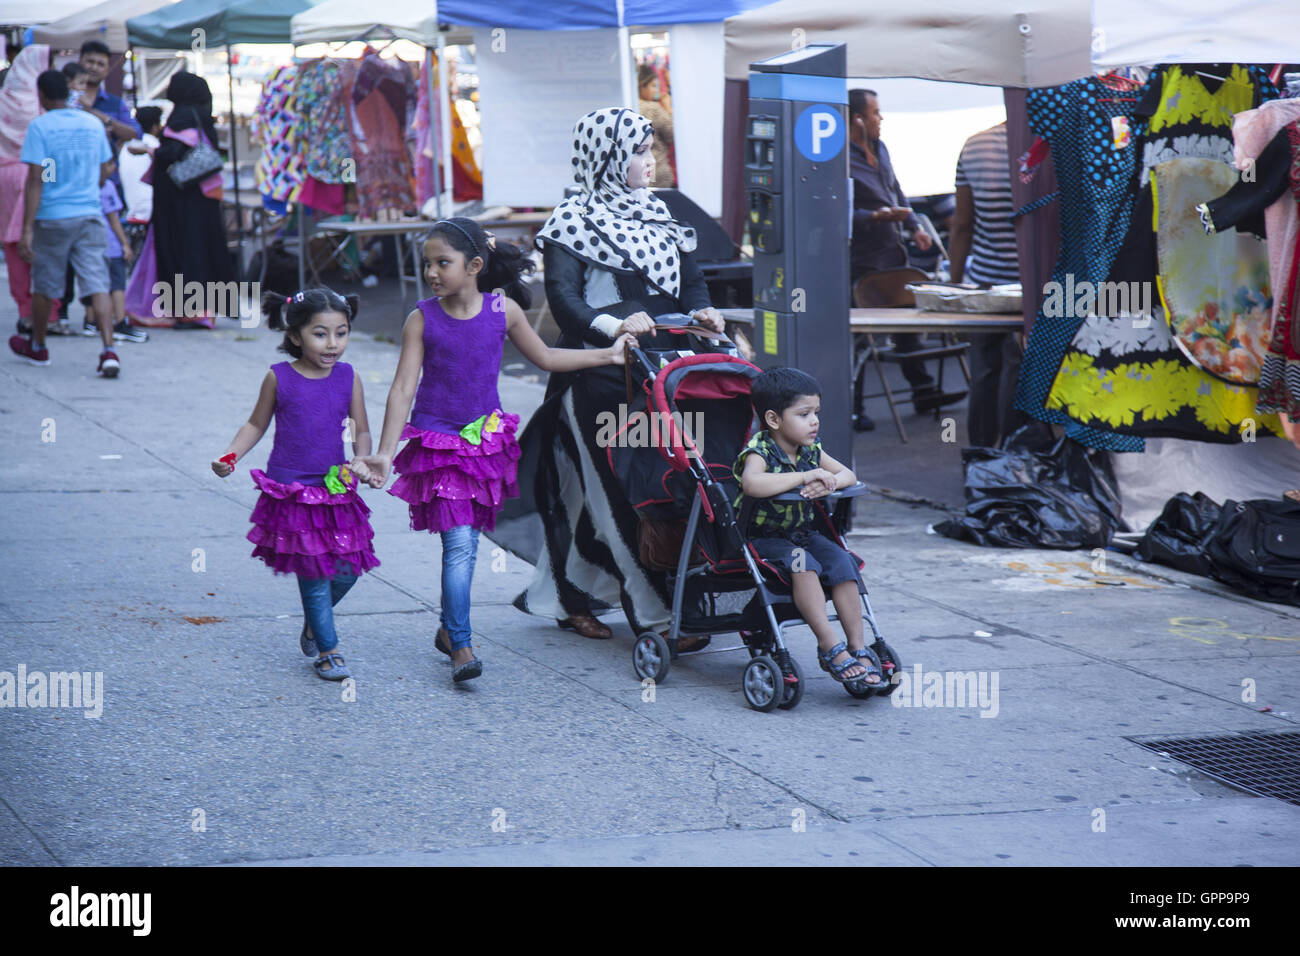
<point>613,256</point>
<point>612,223</point>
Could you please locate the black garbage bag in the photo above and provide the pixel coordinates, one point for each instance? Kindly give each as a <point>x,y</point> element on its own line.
<point>1036,492</point>
<point>1178,537</point>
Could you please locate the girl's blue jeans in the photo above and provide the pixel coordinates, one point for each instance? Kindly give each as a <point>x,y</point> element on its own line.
<point>319,595</point>
<point>459,551</point>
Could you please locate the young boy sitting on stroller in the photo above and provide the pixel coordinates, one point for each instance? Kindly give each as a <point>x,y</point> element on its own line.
<point>783,456</point>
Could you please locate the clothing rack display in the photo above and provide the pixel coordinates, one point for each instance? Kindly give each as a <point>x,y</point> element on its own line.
<point>1150,327</point>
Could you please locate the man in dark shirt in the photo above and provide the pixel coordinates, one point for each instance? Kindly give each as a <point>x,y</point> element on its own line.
<point>881,221</point>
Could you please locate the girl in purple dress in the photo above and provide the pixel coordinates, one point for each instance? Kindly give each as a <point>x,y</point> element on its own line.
<point>309,520</point>
<point>459,464</point>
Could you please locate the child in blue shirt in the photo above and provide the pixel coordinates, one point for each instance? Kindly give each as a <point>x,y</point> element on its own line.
<point>784,456</point>
<point>117,256</point>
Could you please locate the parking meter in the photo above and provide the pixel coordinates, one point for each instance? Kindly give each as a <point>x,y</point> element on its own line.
<point>799,209</point>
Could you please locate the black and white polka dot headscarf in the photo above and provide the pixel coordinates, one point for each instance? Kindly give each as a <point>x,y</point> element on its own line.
<point>611,225</point>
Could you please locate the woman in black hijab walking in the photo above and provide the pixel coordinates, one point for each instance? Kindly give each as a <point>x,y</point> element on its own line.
<point>189,235</point>
<point>613,256</point>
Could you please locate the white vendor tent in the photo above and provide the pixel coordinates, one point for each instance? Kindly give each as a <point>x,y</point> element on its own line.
<point>337,21</point>
<point>1132,32</point>
<point>105,22</point>
<point>1025,43</point>
<point>23,13</point>
<point>1021,43</point>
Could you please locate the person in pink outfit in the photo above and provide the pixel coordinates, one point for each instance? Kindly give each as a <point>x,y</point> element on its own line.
<point>19,105</point>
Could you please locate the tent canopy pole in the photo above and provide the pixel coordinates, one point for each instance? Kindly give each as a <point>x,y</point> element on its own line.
<point>445,107</point>
<point>135,83</point>
<point>234,154</point>
<point>625,61</point>
<point>302,236</point>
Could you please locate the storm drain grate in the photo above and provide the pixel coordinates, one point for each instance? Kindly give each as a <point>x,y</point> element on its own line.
<point>1263,762</point>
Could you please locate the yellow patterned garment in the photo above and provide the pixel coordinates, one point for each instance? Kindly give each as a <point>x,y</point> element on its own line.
<point>1184,99</point>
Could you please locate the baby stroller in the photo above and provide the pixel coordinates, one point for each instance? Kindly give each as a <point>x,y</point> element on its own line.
<point>692,387</point>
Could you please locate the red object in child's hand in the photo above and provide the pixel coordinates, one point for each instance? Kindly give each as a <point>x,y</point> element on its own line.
<point>228,459</point>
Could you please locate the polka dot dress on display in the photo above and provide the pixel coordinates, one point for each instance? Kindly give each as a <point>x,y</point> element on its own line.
<point>1088,124</point>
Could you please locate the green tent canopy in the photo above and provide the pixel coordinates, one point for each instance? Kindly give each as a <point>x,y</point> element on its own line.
<point>223,22</point>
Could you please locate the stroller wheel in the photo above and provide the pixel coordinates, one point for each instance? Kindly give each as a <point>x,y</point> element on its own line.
<point>793,691</point>
<point>891,665</point>
<point>763,684</point>
<point>650,657</point>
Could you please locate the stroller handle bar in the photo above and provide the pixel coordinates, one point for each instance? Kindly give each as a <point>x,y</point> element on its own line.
<point>700,330</point>
<point>852,491</point>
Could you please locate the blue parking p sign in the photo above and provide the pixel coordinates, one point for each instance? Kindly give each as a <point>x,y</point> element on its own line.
<point>819,133</point>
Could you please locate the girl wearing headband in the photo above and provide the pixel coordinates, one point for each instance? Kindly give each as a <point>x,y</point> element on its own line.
<point>458,466</point>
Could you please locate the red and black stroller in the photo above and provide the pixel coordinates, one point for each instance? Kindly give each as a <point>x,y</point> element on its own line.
<point>688,416</point>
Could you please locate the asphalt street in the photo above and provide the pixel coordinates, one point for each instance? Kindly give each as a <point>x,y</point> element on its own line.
<point>216,744</point>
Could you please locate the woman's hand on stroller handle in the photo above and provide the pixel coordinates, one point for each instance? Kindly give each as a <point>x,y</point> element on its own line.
<point>638,323</point>
<point>710,318</point>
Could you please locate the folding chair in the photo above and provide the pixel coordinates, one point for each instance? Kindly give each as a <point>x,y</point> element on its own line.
<point>888,289</point>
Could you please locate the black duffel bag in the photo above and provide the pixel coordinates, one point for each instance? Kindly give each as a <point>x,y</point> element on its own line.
<point>1255,547</point>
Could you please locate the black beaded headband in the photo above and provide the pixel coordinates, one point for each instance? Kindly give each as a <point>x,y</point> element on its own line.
<point>462,230</point>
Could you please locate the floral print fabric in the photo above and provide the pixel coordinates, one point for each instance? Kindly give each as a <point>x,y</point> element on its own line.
<point>321,102</point>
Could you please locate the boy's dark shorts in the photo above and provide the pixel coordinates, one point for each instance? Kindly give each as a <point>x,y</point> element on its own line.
<point>809,551</point>
<point>116,274</point>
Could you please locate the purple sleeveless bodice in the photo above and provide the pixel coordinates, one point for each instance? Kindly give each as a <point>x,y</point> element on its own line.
<point>462,360</point>
<point>310,414</point>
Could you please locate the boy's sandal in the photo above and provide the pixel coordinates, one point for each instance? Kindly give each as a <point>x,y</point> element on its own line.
<point>307,644</point>
<point>827,661</point>
<point>587,626</point>
<point>871,661</point>
<point>468,671</point>
<point>337,669</point>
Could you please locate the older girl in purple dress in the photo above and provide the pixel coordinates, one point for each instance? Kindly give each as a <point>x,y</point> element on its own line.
<point>309,520</point>
<point>459,464</point>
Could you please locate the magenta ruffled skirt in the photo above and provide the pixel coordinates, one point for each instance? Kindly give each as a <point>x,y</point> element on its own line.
<point>446,481</point>
<point>304,529</point>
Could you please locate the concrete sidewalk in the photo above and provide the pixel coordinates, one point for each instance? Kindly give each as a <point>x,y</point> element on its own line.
<point>217,744</point>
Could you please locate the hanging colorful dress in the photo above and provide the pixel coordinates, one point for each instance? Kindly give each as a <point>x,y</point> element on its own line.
<point>1266,201</point>
<point>382,95</point>
<point>280,167</point>
<point>1140,371</point>
<point>1088,125</point>
<point>321,101</point>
